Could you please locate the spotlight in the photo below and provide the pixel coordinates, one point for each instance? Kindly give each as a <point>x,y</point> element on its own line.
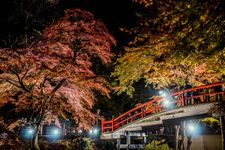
<point>30,131</point>
<point>163,93</point>
<point>95,131</point>
<point>56,131</point>
<point>90,131</point>
<point>166,102</point>
<point>160,92</point>
<point>191,128</point>
<point>80,131</point>
<point>27,132</point>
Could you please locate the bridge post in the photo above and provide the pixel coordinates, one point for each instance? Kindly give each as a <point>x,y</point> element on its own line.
<point>145,140</point>
<point>102,126</point>
<point>118,141</point>
<point>183,101</point>
<point>112,124</point>
<point>128,140</point>
<point>177,130</point>
<point>142,112</point>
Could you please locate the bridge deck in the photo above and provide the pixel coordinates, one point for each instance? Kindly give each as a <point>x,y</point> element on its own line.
<point>154,111</point>
<point>158,119</point>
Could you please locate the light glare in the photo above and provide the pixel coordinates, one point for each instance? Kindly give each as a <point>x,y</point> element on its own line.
<point>166,102</point>
<point>30,131</point>
<point>56,131</point>
<point>191,128</point>
<point>80,131</point>
<point>91,131</point>
<point>95,131</point>
<point>163,93</point>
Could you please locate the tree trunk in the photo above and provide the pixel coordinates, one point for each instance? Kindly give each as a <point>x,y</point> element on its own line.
<point>177,130</point>
<point>189,143</point>
<point>222,131</point>
<point>183,140</point>
<point>35,145</point>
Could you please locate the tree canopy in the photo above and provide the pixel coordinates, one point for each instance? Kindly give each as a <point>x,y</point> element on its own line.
<point>174,41</point>
<point>54,76</point>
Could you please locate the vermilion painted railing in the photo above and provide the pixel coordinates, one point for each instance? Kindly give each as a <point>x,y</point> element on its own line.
<point>201,94</point>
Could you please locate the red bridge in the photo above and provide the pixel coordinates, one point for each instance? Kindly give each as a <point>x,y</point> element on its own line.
<point>154,112</point>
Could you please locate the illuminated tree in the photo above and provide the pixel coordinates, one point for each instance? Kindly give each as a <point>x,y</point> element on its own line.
<point>54,76</point>
<point>174,41</point>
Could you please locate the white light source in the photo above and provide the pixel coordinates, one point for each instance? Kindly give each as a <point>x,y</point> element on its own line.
<point>30,131</point>
<point>166,102</point>
<point>91,131</point>
<point>56,131</point>
<point>95,131</point>
<point>163,93</point>
<point>80,131</point>
<point>191,128</point>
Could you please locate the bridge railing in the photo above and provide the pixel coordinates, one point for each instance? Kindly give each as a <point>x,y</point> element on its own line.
<point>201,94</point>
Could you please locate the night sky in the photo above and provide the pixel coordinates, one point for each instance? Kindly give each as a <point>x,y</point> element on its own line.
<point>115,13</point>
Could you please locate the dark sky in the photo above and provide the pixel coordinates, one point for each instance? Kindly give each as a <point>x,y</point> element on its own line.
<point>115,13</point>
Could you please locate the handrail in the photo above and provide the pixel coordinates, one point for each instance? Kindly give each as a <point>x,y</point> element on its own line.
<point>133,113</point>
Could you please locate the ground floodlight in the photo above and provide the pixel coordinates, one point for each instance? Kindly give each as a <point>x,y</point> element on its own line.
<point>193,129</point>
<point>91,131</point>
<point>56,131</point>
<point>80,131</point>
<point>27,132</point>
<point>30,131</point>
<point>95,131</point>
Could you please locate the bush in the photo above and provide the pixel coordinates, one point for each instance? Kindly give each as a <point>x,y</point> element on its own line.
<point>157,145</point>
<point>106,145</point>
<point>78,143</point>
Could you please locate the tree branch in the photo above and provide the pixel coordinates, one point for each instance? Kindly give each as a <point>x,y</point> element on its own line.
<point>58,86</point>
<point>12,82</point>
<point>27,69</point>
<point>22,85</point>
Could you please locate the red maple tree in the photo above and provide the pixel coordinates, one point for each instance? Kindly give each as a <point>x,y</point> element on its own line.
<point>54,76</point>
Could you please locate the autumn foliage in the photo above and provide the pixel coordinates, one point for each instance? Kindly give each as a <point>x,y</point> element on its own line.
<point>54,75</point>
<point>174,41</point>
